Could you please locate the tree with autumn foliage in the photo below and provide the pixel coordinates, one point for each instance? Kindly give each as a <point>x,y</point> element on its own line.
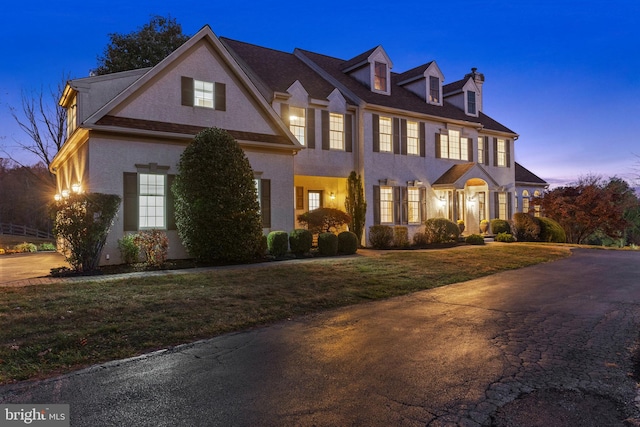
<point>589,206</point>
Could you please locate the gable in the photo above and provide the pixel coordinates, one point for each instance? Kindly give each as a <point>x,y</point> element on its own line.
<point>458,175</point>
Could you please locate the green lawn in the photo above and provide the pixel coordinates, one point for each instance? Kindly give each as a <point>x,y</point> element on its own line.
<point>47,330</point>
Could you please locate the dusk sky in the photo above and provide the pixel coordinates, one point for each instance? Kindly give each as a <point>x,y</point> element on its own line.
<point>563,74</point>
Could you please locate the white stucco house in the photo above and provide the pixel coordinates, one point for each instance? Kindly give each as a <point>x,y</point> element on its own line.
<point>305,121</point>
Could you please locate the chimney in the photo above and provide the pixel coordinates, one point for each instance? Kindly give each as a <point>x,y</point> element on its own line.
<point>479,79</point>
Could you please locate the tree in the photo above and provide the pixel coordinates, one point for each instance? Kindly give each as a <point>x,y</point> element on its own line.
<point>323,220</point>
<point>143,48</point>
<point>590,205</point>
<point>25,192</point>
<point>216,206</point>
<point>355,204</point>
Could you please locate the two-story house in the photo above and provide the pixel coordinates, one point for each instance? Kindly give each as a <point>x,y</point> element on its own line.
<point>305,121</point>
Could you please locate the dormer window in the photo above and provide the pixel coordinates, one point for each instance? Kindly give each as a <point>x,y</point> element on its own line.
<point>471,103</point>
<point>380,77</point>
<point>434,90</point>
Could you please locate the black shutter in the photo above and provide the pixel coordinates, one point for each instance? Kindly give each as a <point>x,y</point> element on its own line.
<point>171,218</point>
<point>423,204</point>
<point>187,91</point>
<point>495,151</point>
<point>486,150</point>
<point>470,148</point>
<point>265,202</point>
<point>509,205</point>
<point>397,205</point>
<point>403,136</point>
<point>348,133</point>
<point>396,135</point>
<point>130,201</point>
<point>325,130</point>
<point>507,147</point>
<point>284,114</point>
<point>438,151</point>
<point>375,125</point>
<point>423,138</point>
<point>405,205</point>
<point>496,207</point>
<point>376,205</point>
<point>300,198</point>
<point>311,128</point>
<point>221,97</point>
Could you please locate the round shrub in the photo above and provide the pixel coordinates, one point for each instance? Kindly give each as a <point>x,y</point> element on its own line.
<point>300,241</point>
<point>278,243</point>
<point>347,243</point>
<point>500,226</point>
<point>474,239</point>
<point>441,230</point>
<point>400,236</point>
<point>551,231</point>
<point>26,247</point>
<point>420,238</point>
<point>526,227</point>
<point>327,244</point>
<point>381,236</point>
<point>505,238</point>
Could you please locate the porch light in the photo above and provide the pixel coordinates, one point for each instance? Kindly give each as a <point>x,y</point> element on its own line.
<point>57,197</point>
<point>65,194</point>
<point>332,196</point>
<point>471,200</point>
<point>76,188</point>
<point>442,202</point>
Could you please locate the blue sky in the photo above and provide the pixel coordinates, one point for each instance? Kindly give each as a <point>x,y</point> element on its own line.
<point>564,74</point>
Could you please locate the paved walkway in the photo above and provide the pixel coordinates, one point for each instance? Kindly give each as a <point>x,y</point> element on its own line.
<point>548,345</point>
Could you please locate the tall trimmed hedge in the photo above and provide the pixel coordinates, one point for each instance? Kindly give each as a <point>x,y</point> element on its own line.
<point>216,205</point>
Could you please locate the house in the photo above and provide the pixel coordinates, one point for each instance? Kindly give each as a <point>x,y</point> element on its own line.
<point>305,121</point>
<point>528,186</point>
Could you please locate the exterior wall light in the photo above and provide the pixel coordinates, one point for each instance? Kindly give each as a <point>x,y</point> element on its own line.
<point>76,188</point>
<point>65,194</point>
<point>57,197</point>
<point>442,202</point>
<point>332,196</point>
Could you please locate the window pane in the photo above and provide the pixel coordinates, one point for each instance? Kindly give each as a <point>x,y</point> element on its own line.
<point>336,131</point>
<point>471,102</point>
<point>412,138</point>
<point>502,206</point>
<point>434,89</point>
<point>464,149</point>
<point>380,78</point>
<point>386,204</point>
<point>314,200</point>
<point>152,201</point>
<point>502,153</point>
<point>454,144</point>
<point>413,200</point>
<point>297,123</point>
<point>385,134</point>
<point>203,94</point>
<point>444,146</point>
<point>480,150</point>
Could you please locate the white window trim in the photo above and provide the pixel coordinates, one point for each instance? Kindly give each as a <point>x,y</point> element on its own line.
<point>334,131</point>
<point>386,205</point>
<point>144,219</point>
<point>386,146</point>
<point>413,141</point>
<point>201,97</point>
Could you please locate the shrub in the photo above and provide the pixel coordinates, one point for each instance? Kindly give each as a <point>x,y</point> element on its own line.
<point>505,238</point>
<point>441,230</point>
<point>551,231</point>
<point>474,239</point>
<point>154,244</point>
<point>500,226</point>
<point>380,236</point>
<point>216,209</point>
<point>526,227</point>
<point>355,204</point>
<point>82,223</point>
<point>300,241</point>
<point>47,247</point>
<point>400,236</point>
<point>327,244</point>
<point>278,243</point>
<point>26,247</point>
<point>347,243</point>
<point>460,225</point>
<point>323,220</point>
<point>420,239</point>
<point>129,250</point>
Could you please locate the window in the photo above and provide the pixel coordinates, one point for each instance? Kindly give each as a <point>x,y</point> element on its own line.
<point>380,76</point>
<point>434,89</point>
<point>471,102</point>
<point>315,200</point>
<point>386,205</point>
<point>385,134</point>
<point>152,201</point>
<point>525,201</point>
<point>501,148</point>
<point>336,131</point>
<point>297,123</point>
<point>72,117</point>
<point>536,208</point>
<point>502,206</point>
<point>481,152</point>
<point>454,147</point>
<point>413,205</point>
<point>413,136</point>
<point>482,206</point>
<point>203,94</point>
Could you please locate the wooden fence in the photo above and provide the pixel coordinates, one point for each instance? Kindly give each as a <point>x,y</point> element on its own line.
<point>21,230</point>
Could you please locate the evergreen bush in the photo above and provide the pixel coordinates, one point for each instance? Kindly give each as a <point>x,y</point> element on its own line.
<point>129,250</point>
<point>551,231</point>
<point>300,241</point>
<point>347,243</point>
<point>505,238</point>
<point>26,247</point>
<point>381,236</point>
<point>278,243</point>
<point>400,236</point>
<point>355,204</point>
<point>526,227</point>
<point>500,226</point>
<point>327,244</point>
<point>441,230</point>
<point>420,239</point>
<point>474,239</point>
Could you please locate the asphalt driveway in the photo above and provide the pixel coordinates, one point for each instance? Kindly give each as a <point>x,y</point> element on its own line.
<point>483,352</point>
<point>29,265</point>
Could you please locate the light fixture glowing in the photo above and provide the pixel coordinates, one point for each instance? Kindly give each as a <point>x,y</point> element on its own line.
<point>76,188</point>
<point>57,197</point>
<point>332,196</point>
<point>65,193</point>
<point>442,202</point>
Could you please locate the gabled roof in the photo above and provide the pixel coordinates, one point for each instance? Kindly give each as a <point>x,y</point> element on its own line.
<point>414,72</point>
<point>454,87</point>
<point>358,60</point>
<point>457,176</point>
<point>525,176</point>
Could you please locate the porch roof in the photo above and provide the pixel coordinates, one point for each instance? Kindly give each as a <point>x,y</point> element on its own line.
<point>458,175</point>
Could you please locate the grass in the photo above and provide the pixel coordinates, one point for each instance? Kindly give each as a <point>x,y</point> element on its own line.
<point>52,329</point>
